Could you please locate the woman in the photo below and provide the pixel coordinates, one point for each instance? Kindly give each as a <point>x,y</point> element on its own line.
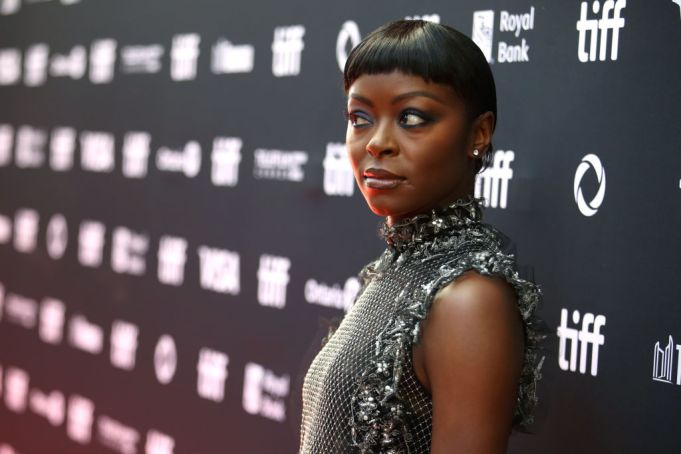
<point>439,352</point>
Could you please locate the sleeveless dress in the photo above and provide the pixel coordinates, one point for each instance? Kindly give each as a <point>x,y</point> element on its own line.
<point>360,393</point>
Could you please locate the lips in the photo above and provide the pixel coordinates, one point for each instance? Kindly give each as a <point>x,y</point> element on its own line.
<point>381,179</point>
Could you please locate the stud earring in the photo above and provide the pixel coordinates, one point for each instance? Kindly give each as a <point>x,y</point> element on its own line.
<point>476,152</point>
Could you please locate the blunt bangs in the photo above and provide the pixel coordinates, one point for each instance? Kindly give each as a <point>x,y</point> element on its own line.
<point>435,52</point>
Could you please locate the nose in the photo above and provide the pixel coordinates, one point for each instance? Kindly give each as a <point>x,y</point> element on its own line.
<point>382,143</point>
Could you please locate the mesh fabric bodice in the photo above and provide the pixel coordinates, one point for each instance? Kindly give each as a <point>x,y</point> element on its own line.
<point>361,393</point>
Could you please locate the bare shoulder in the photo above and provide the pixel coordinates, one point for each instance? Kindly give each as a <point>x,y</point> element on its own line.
<point>471,353</point>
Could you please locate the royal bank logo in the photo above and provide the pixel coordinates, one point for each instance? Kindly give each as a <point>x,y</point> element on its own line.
<point>665,369</point>
<point>594,33</point>
<point>265,392</point>
<point>590,161</point>
<point>338,176</point>
<point>574,342</point>
<point>287,49</point>
<point>511,26</point>
<point>493,182</point>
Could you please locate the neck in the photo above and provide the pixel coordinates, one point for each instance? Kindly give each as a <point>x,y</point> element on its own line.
<point>408,232</point>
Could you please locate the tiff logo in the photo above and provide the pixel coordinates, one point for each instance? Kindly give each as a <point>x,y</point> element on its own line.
<point>172,256</point>
<point>273,278</point>
<point>287,48</point>
<point>184,56</point>
<point>62,148</point>
<point>492,183</point>
<point>663,362</point>
<point>589,334</point>
<point>338,177</point>
<point>102,60</point>
<point>596,27</point>
<point>225,158</point>
<point>212,373</point>
<point>79,420</point>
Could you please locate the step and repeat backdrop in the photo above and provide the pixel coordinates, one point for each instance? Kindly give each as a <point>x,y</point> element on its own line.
<point>179,224</point>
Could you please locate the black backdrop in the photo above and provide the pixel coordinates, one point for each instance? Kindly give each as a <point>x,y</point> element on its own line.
<point>178,225</point>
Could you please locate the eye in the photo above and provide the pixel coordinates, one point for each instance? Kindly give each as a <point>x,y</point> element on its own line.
<point>356,118</point>
<point>410,118</point>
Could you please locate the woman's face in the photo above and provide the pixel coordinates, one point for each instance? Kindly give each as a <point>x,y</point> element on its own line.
<point>408,144</point>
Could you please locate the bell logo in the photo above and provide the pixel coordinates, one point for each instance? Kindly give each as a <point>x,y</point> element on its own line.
<point>589,208</point>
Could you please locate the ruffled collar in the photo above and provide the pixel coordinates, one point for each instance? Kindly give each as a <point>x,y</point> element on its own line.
<point>406,233</point>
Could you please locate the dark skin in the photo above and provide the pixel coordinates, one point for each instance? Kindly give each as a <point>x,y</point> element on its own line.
<point>471,350</point>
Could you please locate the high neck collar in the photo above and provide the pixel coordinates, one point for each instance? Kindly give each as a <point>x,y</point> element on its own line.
<point>406,233</point>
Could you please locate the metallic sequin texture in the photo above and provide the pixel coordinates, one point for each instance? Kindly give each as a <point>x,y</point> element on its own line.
<point>361,394</point>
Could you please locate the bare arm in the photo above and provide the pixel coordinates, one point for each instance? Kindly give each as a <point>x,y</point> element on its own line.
<point>472,348</point>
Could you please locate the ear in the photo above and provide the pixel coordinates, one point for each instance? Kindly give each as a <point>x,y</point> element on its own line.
<point>481,134</point>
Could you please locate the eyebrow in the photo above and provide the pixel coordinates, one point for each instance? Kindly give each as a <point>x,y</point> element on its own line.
<point>398,98</point>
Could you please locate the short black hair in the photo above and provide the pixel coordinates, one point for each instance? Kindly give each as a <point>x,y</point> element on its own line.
<point>436,52</point>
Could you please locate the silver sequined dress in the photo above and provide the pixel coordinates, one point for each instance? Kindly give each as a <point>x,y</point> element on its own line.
<point>361,394</point>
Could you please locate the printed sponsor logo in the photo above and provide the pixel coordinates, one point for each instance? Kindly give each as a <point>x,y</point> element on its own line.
<point>579,340</point>
<point>594,33</point>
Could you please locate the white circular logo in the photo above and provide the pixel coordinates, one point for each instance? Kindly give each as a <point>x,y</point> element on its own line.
<point>349,32</point>
<point>589,208</point>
